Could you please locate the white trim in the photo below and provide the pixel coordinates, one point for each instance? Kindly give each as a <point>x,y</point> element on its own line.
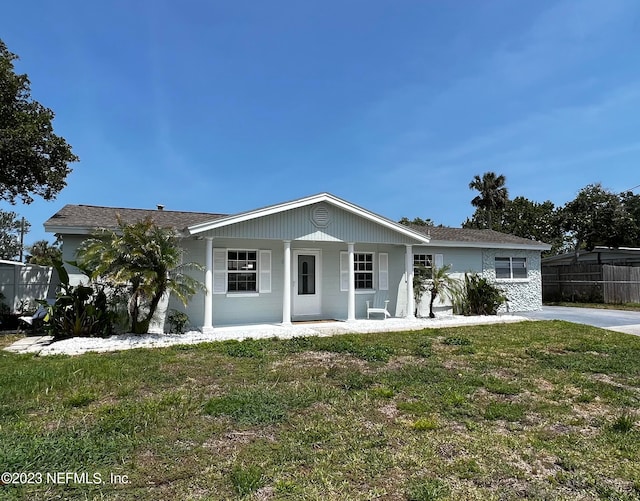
<point>264,271</point>
<point>309,304</point>
<point>208,281</point>
<point>243,294</point>
<point>303,202</point>
<point>286,293</point>
<point>383,271</point>
<point>219,271</point>
<point>408,264</point>
<point>344,271</point>
<point>351,294</point>
<point>489,245</point>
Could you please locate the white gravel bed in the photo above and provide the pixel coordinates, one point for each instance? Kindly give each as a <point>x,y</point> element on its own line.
<point>77,346</point>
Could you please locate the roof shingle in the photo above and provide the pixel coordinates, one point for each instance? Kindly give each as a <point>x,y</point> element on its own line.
<point>92,217</point>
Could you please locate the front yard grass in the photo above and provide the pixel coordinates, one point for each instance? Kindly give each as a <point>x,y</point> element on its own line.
<point>534,410</point>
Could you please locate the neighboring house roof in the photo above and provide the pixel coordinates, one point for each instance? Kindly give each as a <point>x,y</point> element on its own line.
<point>84,219</point>
<point>599,254</point>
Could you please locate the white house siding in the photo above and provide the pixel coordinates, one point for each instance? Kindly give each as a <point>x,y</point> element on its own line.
<point>522,294</point>
<point>460,260</point>
<point>296,224</point>
<point>230,308</point>
<point>70,244</point>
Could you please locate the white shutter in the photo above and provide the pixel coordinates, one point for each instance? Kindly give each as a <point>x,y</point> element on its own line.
<point>383,271</point>
<point>344,271</point>
<point>219,271</point>
<point>439,261</point>
<point>265,271</point>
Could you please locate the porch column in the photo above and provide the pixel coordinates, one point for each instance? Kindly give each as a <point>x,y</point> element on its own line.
<point>286,295</point>
<point>409,274</point>
<point>208,284</point>
<point>351,301</point>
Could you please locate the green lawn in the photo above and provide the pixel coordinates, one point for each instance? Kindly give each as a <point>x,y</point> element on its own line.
<point>534,410</point>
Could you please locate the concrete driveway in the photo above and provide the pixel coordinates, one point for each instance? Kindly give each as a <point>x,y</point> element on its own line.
<point>615,320</point>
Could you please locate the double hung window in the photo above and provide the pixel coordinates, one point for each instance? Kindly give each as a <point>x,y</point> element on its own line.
<point>511,267</point>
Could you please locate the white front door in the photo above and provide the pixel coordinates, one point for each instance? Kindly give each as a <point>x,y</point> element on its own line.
<point>306,283</point>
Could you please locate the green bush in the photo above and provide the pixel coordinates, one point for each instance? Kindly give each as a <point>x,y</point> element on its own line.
<point>178,320</point>
<point>78,310</point>
<point>477,296</point>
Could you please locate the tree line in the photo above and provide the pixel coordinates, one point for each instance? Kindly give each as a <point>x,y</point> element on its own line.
<point>595,217</point>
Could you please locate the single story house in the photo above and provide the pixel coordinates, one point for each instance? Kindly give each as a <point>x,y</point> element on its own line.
<point>318,257</point>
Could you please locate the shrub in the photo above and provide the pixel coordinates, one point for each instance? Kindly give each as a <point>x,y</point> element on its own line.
<point>477,296</point>
<point>79,310</point>
<point>178,320</point>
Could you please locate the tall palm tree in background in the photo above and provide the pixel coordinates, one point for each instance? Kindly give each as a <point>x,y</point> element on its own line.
<point>493,194</point>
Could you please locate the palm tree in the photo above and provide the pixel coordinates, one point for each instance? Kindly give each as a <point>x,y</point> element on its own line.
<point>493,194</point>
<point>44,253</point>
<point>441,283</point>
<point>145,258</point>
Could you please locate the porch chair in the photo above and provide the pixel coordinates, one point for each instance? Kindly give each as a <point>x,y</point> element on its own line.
<point>378,305</point>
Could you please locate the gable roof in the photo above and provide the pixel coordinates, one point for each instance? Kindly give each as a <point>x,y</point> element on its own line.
<point>84,219</point>
<point>306,201</point>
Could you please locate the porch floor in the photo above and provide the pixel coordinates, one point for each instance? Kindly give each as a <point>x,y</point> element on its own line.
<point>76,346</point>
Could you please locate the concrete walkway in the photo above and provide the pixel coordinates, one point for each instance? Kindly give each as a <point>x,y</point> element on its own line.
<point>30,344</point>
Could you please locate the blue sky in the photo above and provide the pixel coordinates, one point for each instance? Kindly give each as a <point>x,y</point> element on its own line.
<point>395,106</point>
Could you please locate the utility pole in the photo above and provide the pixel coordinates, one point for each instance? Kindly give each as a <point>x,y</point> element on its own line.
<point>22,239</point>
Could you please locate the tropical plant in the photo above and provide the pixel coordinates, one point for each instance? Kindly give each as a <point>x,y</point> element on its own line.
<point>493,194</point>
<point>477,296</point>
<point>78,310</point>
<point>147,259</point>
<point>178,320</point>
<point>441,283</point>
<point>436,281</point>
<point>44,253</point>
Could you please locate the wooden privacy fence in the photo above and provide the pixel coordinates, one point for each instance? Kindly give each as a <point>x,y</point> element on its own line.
<point>591,283</point>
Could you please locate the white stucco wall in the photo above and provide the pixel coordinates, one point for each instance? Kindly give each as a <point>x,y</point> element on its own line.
<point>523,294</point>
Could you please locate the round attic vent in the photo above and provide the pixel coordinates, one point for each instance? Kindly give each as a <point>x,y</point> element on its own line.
<point>320,216</point>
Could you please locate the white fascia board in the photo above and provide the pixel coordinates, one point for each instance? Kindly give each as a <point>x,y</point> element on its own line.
<point>488,245</point>
<point>303,202</point>
<point>66,230</point>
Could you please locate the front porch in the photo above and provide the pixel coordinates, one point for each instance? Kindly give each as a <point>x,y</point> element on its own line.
<point>302,280</point>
